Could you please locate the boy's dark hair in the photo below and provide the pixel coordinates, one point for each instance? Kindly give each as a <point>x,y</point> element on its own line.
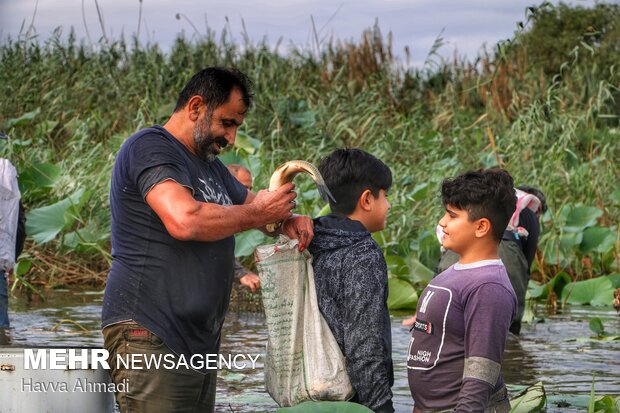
<point>214,85</point>
<point>486,193</point>
<point>348,173</point>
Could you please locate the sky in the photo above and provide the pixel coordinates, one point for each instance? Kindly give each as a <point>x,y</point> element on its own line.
<point>464,25</point>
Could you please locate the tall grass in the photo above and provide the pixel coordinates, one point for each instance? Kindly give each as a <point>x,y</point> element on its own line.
<point>70,106</point>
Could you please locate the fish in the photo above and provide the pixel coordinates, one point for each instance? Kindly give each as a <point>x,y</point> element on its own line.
<point>287,171</point>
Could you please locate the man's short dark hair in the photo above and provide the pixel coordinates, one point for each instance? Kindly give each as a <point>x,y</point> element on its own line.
<point>214,85</point>
<point>348,173</point>
<point>486,193</point>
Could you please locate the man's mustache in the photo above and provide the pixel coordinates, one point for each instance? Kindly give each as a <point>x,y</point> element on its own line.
<point>222,142</point>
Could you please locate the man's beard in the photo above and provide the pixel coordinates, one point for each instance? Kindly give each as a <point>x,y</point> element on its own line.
<point>206,142</point>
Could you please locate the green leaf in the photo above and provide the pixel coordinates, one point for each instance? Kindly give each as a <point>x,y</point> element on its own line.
<point>428,249</point>
<point>556,284</point>
<point>488,159</point>
<point>597,239</point>
<point>540,291</point>
<point>615,280</point>
<point>607,404</point>
<point>247,143</point>
<point>85,239</point>
<point>43,224</point>
<point>44,128</point>
<point>583,217</point>
<point>325,407</point>
<point>22,267</point>
<point>402,295</point>
<point>569,240</point>
<point>596,291</point>
<point>230,157</point>
<point>326,210</point>
<point>23,119</point>
<point>614,197</point>
<point>419,273</point>
<point>531,399</point>
<point>596,325</point>
<point>303,119</point>
<point>528,313</point>
<point>571,160</point>
<point>554,255</point>
<point>591,404</point>
<point>246,242</point>
<point>397,266</point>
<point>419,192</point>
<point>41,175</point>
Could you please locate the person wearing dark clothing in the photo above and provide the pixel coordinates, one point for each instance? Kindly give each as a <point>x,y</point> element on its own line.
<point>175,209</point>
<point>351,274</point>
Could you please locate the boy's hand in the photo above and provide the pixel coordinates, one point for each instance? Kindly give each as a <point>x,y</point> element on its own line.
<point>251,281</point>
<point>408,322</point>
<point>299,227</point>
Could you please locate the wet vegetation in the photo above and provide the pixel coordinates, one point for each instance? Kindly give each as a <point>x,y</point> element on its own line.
<point>545,105</point>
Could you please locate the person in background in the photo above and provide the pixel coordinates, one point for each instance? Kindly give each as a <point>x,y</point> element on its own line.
<point>242,274</point>
<point>12,231</point>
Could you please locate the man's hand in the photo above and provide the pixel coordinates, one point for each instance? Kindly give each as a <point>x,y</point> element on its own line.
<point>251,281</point>
<point>275,206</point>
<point>299,227</point>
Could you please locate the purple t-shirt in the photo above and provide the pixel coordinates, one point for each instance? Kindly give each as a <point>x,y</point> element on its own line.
<point>459,336</point>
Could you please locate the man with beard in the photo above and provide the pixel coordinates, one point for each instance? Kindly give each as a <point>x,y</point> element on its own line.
<point>175,209</point>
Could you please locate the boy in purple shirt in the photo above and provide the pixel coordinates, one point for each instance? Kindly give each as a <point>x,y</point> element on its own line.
<point>464,314</point>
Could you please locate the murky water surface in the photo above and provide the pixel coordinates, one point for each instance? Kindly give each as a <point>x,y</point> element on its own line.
<point>553,351</point>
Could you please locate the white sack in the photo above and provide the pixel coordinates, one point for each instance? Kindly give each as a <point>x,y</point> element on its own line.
<point>9,213</point>
<point>303,361</point>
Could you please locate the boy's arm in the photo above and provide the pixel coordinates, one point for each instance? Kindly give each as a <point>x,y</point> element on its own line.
<point>488,313</point>
<point>365,341</point>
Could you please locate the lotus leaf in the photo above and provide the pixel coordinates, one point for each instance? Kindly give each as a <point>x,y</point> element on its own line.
<point>43,224</point>
<point>596,291</point>
<point>531,399</point>
<point>325,407</point>
<point>402,295</point>
<point>419,272</point>
<point>597,239</point>
<point>615,280</point>
<point>246,242</point>
<point>582,217</point>
<point>556,284</point>
<point>41,175</point>
<point>397,266</point>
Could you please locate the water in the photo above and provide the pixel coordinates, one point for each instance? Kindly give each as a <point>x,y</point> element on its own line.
<point>555,351</point>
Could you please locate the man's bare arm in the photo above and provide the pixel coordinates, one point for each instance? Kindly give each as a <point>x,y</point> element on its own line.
<point>187,219</point>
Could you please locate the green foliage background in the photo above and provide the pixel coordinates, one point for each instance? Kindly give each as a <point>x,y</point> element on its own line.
<point>543,105</point>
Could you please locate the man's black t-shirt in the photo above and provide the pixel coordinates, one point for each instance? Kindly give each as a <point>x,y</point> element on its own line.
<point>179,290</point>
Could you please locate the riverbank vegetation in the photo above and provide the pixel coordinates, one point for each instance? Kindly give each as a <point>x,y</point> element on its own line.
<point>545,105</point>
